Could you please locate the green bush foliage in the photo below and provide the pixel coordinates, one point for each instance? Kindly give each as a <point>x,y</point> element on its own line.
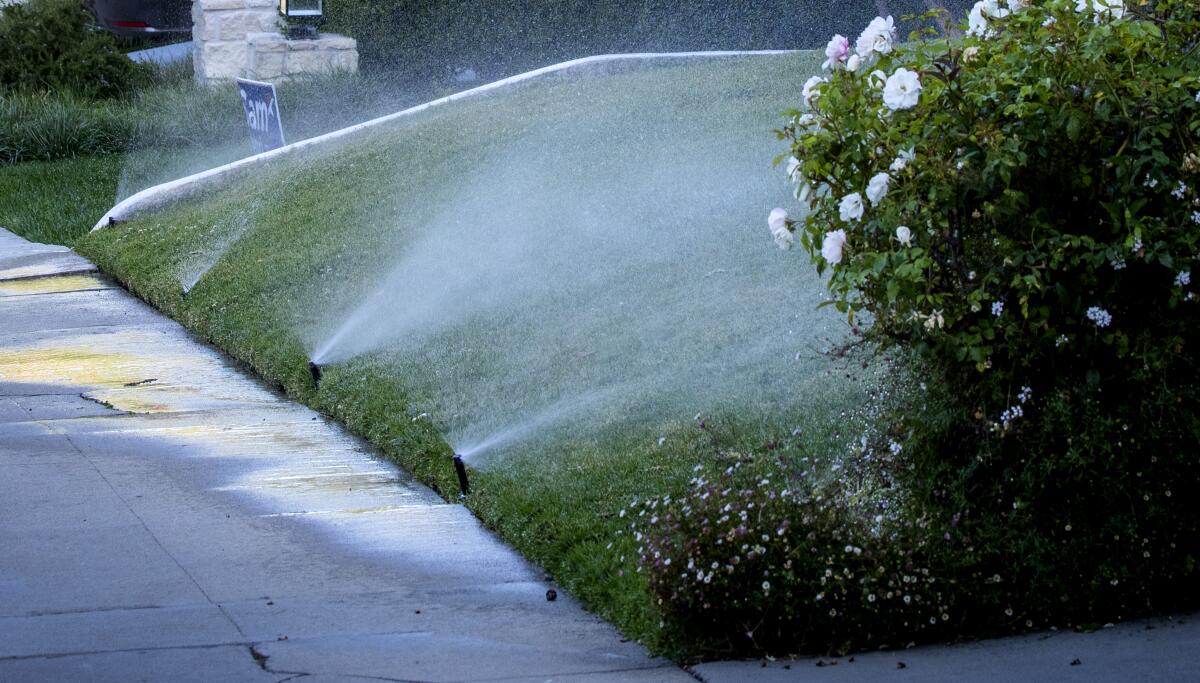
<point>51,45</point>
<point>1018,212</point>
<point>45,127</point>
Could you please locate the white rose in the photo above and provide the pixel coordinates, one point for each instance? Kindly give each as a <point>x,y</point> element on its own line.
<point>851,207</point>
<point>902,90</point>
<point>902,159</point>
<point>836,51</point>
<point>878,37</point>
<point>778,223</point>
<point>1017,5</point>
<point>793,170</point>
<point>804,193</point>
<point>877,187</point>
<point>977,20</point>
<point>904,235</point>
<point>810,89</point>
<point>831,247</point>
<point>853,63</point>
<point>970,54</point>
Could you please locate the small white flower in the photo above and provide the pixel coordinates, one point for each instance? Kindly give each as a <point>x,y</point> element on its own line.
<point>1010,415</point>
<point>902,90</point>
<point>1196,217</point>
<point>1050,21</point>
<point>851,207</point>
<point>877,38</point>
<point>904,235</point>
<point>935,320</point>
<point>895,448</point>
<point>1118,263</point>
<point>970,54</point>
<point>1150,182</point>
<point>766,585</point>
<point>903,159</point>
<point>877,188</point>
<point>1025,395</point>
<point>1099,316</point>
<point>778,223</point>
<point>1183,278</point>
<point>997,308</point>
<point>831,247</point>
<point>1180,190</point>
<point>836,52</point>
<point>1137,244</point>
<point>1062,339</point>
<point>853,64</point>
<point>810,91</point>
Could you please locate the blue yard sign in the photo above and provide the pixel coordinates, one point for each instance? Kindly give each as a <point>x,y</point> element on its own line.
<point>262,114</point>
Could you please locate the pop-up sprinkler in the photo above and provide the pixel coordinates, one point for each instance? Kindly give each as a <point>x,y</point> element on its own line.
<point>461,470</point>
<point>315,371</point>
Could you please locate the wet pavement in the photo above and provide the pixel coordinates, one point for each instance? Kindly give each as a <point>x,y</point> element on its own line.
<point>164,516</point>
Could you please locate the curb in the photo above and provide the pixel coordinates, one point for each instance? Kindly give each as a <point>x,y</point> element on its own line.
<point>153,198</point>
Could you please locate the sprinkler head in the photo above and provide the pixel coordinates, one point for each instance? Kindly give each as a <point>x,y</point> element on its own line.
<point>315,371</point>
<point>461,470</point>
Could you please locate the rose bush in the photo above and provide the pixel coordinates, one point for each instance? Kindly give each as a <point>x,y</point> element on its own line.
<point>1016,212</point>
<point>1031,224</point>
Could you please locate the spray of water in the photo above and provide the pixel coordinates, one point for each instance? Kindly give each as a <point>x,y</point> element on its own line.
<point>223,236</point>
<point>593,272</point>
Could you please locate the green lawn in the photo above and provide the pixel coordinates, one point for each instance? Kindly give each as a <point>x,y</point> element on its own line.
<point>480,191</point>
<point>56,201</point>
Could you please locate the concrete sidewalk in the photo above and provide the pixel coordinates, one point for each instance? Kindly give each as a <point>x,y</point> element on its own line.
<point>165,517</point>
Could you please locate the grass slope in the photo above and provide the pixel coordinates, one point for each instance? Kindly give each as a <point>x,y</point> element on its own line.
<point>308,230</point>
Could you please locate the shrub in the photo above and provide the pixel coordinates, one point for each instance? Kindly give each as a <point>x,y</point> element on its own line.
<point>51,45</point>
<point>1021,208</point>
<point>46,127</point>
<point>1018,210</point>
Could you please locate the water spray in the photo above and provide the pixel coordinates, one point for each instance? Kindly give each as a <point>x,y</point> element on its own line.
<point>461,470</point>
<point>315,370</point>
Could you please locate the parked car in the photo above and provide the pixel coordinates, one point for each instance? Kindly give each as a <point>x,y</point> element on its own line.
<point>141,17</point>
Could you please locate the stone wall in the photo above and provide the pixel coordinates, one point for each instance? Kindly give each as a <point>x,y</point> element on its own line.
<point>273,57</point>
<point>242,39</point>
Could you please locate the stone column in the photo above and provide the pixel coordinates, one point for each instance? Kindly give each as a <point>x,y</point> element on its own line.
<point>219,34</point>
<point>243,39</point>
